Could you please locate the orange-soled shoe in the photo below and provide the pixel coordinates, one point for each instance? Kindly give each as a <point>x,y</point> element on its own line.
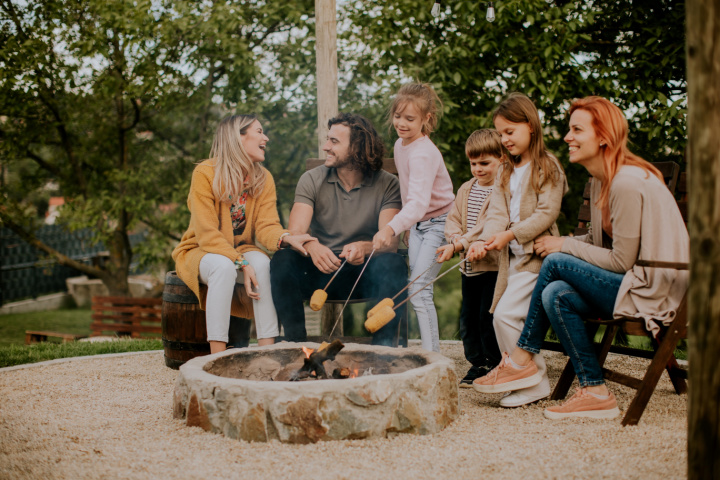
<point>584,404</point>
<point>506,378</point>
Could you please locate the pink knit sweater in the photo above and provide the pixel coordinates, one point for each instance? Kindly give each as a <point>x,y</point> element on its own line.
<point>425,185</point>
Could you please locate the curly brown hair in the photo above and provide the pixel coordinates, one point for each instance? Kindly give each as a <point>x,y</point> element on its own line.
<point>367,150</point>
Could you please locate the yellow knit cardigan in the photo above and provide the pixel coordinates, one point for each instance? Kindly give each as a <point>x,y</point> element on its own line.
<point>211,231</point>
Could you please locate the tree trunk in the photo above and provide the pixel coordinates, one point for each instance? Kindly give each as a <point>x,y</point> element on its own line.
<point>703,57</point>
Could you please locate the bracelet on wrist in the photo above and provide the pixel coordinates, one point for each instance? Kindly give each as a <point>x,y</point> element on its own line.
<point>241,262</point>
<point>280,240</point>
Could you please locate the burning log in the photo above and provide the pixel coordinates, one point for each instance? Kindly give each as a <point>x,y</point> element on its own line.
<point>314,359</point>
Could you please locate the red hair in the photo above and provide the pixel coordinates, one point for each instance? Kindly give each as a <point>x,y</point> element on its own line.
<point>611,128</point>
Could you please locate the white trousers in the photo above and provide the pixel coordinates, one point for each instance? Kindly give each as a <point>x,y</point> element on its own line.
<point>219,274</point>
<point>509,320</point>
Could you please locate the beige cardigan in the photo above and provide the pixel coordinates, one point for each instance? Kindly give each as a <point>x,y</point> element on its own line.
<point>456,224</point>
<point>211,231</point>
<point>538,212</point>
<point>646,225</point>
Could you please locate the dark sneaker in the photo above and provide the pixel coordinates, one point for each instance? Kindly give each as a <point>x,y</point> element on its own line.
<point>472,374</point>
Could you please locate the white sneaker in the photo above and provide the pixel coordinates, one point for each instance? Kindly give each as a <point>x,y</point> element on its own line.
<point>517,399</point>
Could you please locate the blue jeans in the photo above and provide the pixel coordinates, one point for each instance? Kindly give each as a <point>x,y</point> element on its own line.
<point>425,238</point>
<point>568,290</point>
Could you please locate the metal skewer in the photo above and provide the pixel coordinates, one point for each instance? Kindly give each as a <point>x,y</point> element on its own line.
<point>416,278</point>
<point>457,265</point>
<point>336,272</point>
<point>351,292</point>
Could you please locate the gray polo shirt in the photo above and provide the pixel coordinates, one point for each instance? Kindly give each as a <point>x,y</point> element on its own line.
<point>341,217</point>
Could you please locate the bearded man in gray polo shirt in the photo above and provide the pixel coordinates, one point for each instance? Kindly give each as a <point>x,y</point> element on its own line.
<point>343,203</point>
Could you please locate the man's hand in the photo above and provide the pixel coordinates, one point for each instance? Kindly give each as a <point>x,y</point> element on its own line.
<point>499,240</point>
<point>445,253</point>
<point>544,246</point>
<point>383,238</point>
<point>297,242</point>
<point>251,284</point>
<point>323,258</point>
<point>354,253</point>
<point>476,251</point>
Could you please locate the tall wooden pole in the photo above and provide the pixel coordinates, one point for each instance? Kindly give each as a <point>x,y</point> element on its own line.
<point>326,67</point>
<point>327,101</point>
<point>703,62</point>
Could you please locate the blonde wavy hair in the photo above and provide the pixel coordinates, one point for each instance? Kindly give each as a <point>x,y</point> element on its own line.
<point>234,171</point>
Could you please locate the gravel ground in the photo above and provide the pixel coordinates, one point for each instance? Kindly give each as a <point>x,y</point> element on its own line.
<point>111,418</point>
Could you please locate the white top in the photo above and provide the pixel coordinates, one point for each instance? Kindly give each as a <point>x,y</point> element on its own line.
<point>515,190</point>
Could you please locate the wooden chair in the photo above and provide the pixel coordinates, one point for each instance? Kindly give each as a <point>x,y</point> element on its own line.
<point>662,358</point>
<point>331,310</point>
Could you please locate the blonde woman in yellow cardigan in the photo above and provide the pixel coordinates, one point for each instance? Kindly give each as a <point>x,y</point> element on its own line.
<point>232,204</point>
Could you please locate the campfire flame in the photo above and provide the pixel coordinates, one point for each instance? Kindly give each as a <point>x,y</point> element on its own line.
<point>354,373</point>
<point>307,351</point>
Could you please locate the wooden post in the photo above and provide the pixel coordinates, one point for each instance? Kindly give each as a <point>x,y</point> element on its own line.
<point>703,67</point>
<point>326,67</point>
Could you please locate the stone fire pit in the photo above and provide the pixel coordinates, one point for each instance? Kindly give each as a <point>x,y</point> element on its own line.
<point>244,394</point>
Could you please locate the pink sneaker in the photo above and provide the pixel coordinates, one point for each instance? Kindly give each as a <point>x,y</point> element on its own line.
<point>506,378</point>
<point>584,404</point>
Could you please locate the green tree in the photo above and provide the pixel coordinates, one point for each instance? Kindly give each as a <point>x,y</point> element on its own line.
<point>630,51</point>
<point>115,101</point>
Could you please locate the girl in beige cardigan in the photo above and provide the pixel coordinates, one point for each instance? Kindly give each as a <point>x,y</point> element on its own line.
<point>232,206</point>
<point>633,217</point>
<point>524,206</point>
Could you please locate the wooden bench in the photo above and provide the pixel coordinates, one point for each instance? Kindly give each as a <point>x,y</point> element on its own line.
<point>662,357</point>
<point>37,336</point>
<point>126,316</point>
<point>331,309</point>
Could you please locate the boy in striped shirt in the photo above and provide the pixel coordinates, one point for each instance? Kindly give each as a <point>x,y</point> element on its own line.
<point>463,226</point>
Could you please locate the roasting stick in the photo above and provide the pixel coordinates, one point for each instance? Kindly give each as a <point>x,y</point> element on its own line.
<point>351,292</point>
<point>387,313</point>
<point>319,296</point>
<point>391,301</point>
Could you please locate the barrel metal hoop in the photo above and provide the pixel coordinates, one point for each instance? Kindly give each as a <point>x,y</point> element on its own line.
<point>178,298</point>
<point>189,346</point>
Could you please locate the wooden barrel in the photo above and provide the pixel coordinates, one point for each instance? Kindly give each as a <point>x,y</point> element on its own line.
<point>184,333</point>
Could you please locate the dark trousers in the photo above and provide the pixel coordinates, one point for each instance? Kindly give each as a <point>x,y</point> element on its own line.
<point>476,321</point>
<point>294,278</point>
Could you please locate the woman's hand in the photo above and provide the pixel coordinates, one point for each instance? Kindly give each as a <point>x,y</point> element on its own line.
<point>548,244</point>
<point>445,253</point>
<point>251,284</point>
<point>499,240</point>
<point>476,251</point>
<point>296,242</point>
<point>383,238</point>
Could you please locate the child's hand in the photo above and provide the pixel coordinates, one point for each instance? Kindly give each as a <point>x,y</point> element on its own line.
<point>406,238</point>
<point>499,240</point>
<point>383,238</point>
<point>476,252</point>
<point>445,253</point>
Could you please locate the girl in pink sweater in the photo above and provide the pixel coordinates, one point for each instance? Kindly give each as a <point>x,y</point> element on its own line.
<point>427,196</point>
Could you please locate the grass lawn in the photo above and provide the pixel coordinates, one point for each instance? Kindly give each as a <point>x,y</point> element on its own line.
<point>13,350</point>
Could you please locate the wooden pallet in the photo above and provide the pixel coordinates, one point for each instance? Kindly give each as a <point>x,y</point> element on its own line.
<point>134,317</point>
<point>37,336</point>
